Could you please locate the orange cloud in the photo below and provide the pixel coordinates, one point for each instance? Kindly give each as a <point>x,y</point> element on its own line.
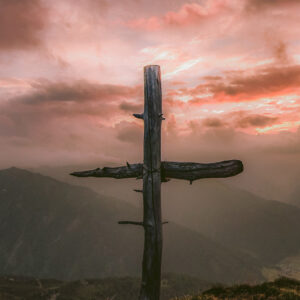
<point>237,86</point>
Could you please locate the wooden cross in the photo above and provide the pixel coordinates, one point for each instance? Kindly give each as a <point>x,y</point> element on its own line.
<point>154,171</point>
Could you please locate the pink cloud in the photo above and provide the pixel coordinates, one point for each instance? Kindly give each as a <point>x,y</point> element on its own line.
<point>245,53</point>
<point>189,14</point>
<point>150,24</point>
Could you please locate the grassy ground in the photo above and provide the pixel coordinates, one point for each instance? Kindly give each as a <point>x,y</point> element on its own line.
<point>125,288</point>
<point>280,289</point>
<point>288,267</point>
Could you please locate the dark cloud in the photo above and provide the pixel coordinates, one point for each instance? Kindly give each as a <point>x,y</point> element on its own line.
<point>97,4</point>
<point>259,5</point>
<point>131,107</point>
<point>67,121</point>
<point>76,91</point>
<point>21,22</point>
<point>280,51</point>
<point>240,119</point>
<point>262,82</point>
<point>278,44</point>
<point>49,103</point>
<point>255,120</point>
<point>213,122</point>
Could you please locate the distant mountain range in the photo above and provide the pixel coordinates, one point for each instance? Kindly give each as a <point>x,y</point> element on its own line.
<point>266,230</point>
<point>295,197</point>
<point>53,229</point>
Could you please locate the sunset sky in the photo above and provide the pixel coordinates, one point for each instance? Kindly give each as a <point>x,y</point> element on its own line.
<point>72,75</point>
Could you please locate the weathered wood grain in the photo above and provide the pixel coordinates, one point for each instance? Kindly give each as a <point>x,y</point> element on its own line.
<point>137,223</point>
<point>169,169</point>
<point>131,223</point>
<point>151,273</point>
<point>133,171</point>
<point>192,171</point>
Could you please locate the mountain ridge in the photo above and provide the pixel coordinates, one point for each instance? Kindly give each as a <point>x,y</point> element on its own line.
<point>54,229</point>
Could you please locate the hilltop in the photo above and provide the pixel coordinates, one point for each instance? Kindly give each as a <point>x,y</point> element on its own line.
<point>280,289</point>
<point>127,288</point>
<point>120,288</point>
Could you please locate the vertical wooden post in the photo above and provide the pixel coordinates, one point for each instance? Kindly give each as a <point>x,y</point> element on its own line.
<point>151,171</point>
<point>151,275</point>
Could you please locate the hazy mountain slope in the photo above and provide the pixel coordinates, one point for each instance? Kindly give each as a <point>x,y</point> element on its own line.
<point>50,228</point>
<point>53,229</point>
<point>190,253</point>
<point>267,230</point>
<point>295,197</point>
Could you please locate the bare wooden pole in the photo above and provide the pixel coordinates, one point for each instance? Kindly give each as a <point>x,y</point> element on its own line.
<point>151,273</point>
<point>153,172</point>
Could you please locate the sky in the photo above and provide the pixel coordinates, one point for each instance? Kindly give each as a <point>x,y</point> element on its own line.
<point>71,76</point>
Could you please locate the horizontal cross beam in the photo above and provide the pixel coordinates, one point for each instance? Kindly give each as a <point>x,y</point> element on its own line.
<point>131,223</point>
<point>137,223</point>
<point>180,170</point>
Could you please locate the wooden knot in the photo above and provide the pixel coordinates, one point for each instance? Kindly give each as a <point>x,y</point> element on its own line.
<point>161,116</point>
<point>151,225</point>
<point>151,171</point>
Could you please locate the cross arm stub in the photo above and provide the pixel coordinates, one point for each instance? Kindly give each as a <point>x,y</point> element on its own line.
<point>129,171</point>
<point>180,170</point>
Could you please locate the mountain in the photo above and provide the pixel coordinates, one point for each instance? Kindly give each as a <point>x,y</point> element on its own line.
<point>266,230</point>
<point>216,208</point>
<point>295,196</point>
<point>53,229</point>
